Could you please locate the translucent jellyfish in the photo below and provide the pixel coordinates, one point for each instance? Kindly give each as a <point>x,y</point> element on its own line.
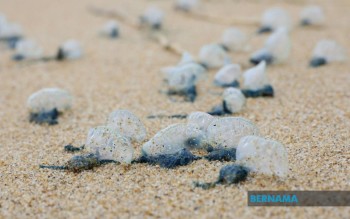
<point>327,51</point>
<point>48,99</point>
<point>152,17</point>
<point>228,76</point>
<point>10,30</point>
<point>276,49</point>
<point>227,132</point>
<point>234,39</point>
<point>263,156</point>
<point>27,49</point>
<point>173,139</point>
<point>71,49</point>
<point>213,56</point>
<point>256,83</point>
<point>107,144</point>
<point>201,119</point>
<point>273,19</point>
<point>182,80</point>
<point>234,100</point>
<point>110,29</point>
<point>312,15</point>
<point>186,5</point>
<point>127,124</point>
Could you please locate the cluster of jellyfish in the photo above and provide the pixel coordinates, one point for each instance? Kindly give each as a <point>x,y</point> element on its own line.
<point>231,139</point>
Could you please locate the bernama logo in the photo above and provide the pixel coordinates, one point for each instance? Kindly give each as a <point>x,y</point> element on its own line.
<point>273,199</point>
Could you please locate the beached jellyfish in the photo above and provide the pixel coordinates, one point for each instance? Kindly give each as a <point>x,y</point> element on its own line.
<point>273,19</point>
<point>228,76</point>
<point>233,102</point>
<point>173,139</point>
<point>127,124</point>
<point>108,144</point>
<point>213,56</point>
<point>80,163</point>
<point>27,50</point>
<point>46,104</point>
<point>11,33</point>
<point>234,40</point>
<point>276,49</point>
<point>312,15</point>
<point>327,51</point>
<point>186,5</point>
<point>201,119</point>
<point>256,82</point>
<point>182,80</point>
<point>229,174</point>
<point>152,17</point>
<point>71,49</point>
<point>263,156</point>
<point>226,132</point>
<point>110,29</point>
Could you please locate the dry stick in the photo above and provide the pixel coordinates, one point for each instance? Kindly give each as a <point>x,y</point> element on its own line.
<point>160,38</point>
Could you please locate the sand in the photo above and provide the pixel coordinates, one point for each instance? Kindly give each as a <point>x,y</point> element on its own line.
<point>310,115</point>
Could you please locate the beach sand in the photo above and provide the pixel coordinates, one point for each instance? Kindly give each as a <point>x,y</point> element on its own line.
<point>310,114</point>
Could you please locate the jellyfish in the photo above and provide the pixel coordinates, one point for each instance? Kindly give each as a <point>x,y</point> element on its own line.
<point>225,133</point>
<point>229,174</point>
<point>182,80</point>
<point>70,49</point>
<point>110,29</point>
<point>46,104</point>
<point>256,82</point>
<point>152,17</point>
<point>273,19</point>
<point>27,50</point>
<point>234,40</point>
<point>213,56</point>
<point>276,49</point>
<point>10,33</point>
<point>127,124</point>
<point>233,102</point>
<point>186,5</point>
<point>201,119</point>
<point>170,147</point>
<point>327,51</point>
<point>312,15</point>
<point>263,156</point>
<point>228,76</point>
<point>108,144</point>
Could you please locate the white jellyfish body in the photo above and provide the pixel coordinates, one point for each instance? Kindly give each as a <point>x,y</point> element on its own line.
<point>186,5</point>
<point>275,18</point>
<point>263,156</point>
<point>185,76</point>
<point>173,139</point>
<point>276,49</point>
<point>107,144</point>
<point>213,56</point>
<point>234,100</point>
<point>9,30</point>
<point>312,15</point>
<point>27,49</point>
<point>227,132</point>
<point>234,39</point>
<point>201,119</point>
<point>228,75</point>
<point>329,50</point>
<point>256,78</point>
<point>70,49</point>
<point>110,29</point>
<point>153,17</point>
<point>127,124</point>
<point>48,99</point>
